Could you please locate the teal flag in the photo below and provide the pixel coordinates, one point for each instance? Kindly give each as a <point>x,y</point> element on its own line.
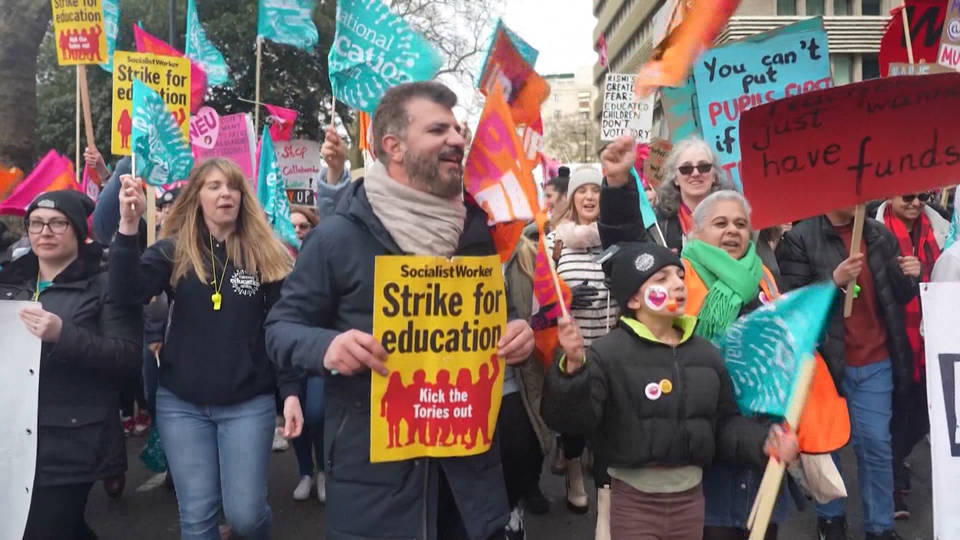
<point>271,192</point>
<point>204,53</point>
<point>374,50</point>
<point>111,25</point>
<point>287,21</point>
<point>162,156</point>
<point>765,349</point>
<point>646,211</point>
<point>954,227</point>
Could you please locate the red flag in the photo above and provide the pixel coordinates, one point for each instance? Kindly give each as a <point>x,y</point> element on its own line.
<point>281,122</point>
<point>495,177</point>
<point>53,172</point>
<point>601,47</point>
<point>148,43</point>
<point>682,47</point>
<point>524,88</point>
<point>926,24</point>
<point>547,309</point>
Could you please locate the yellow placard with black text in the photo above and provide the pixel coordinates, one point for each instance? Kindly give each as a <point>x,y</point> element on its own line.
<point>168,75</point>
<point>440,321</point>
<point>78,32</point>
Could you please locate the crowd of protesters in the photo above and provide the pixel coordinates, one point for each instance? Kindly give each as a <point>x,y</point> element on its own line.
<point>225,344</point>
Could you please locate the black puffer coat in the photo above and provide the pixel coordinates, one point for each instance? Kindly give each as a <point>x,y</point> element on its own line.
<point>690,418</point>
<point>812,250</point>
<point>79,435</point>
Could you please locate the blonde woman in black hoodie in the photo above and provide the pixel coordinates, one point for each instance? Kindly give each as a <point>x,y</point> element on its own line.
<point>656,400</point>
<point>222,267</point>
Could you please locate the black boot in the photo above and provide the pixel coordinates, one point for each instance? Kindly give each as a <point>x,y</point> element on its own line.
<point>832,529</point>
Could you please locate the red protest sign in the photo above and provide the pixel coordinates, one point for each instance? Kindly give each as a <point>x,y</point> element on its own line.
<point>926,24</point>
<point>808,154</point>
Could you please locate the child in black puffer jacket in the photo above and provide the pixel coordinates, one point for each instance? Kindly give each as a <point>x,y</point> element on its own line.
<point>655,400</point>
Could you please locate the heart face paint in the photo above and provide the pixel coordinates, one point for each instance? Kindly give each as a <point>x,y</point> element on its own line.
<point>657,298</point>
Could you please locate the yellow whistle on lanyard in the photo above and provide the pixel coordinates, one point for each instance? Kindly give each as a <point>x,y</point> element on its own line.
<point>216,298</point>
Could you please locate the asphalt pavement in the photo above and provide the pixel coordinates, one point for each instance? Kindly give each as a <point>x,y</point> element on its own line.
<point>151,514</point>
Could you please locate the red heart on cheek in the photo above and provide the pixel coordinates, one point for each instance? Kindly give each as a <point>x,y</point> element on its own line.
<point>657,298</point>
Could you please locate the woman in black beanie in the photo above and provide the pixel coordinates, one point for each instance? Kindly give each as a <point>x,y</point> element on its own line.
<point>89,343</point>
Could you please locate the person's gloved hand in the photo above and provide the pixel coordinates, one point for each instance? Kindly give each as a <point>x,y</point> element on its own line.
<point>583,296</point>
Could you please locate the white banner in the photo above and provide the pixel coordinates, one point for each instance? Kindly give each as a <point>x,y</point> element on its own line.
<point>940,323</point>
<point>300,164</point>
<point>623,112</point>
<point>19,388</point>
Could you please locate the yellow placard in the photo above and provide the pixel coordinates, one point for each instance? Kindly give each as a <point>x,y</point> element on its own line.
<point>440,321</point>
<point>168,75</point>
<point>78,31</point>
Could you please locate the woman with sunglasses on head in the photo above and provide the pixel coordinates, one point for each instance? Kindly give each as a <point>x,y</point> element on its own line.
<point>89,344</point>
<point>921,233</point>
<point>222,267</point>
<point>692,173</point>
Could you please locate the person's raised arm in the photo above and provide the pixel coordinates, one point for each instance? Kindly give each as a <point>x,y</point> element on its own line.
<point>134,279</point>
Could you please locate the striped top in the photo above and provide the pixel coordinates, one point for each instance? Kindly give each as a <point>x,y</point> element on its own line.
<point>576,267</point>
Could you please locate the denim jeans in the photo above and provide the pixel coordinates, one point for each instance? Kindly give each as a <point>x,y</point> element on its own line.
<point>219,455</point>
<point>309,445</point>
<point>869,392</point>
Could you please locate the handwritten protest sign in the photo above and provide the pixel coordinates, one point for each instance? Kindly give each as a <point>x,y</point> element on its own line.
<point>653,166</point>
<point>808,154</point>
<point>78,31</point>
<point>300,161</point>
<point>228,137</point>
<point>731,79</point>
<point>168,75</point>
<point>439,320</point>
<point>949,55</point>
<point>680,110</point>
<point>623,112</point>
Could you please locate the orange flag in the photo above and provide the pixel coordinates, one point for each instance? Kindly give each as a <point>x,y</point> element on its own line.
<point>696,33</point>
<point>547,309</point>
<point>496,178</point>
<point>509,64</point>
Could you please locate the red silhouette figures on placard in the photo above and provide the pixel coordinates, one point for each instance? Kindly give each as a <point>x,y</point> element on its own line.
<point>82,45</point>
<point>480,398</point>
<point>440,413</point>
<point>124,128</point>
<point>417,427</point>
<point>395,406</point>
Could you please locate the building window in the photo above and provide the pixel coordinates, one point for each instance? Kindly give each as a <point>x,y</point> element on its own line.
<point>842,65</point>
<point>871,67</point>
<point>871,7</point>
<point>815,7</point>
<point>556,114</point>
<point>786,7</point>
<point>842,7</point>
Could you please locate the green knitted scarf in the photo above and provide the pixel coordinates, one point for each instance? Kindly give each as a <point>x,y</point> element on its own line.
<point>731,284</point>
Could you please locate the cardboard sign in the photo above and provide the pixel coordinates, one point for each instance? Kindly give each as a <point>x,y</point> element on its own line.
<point>301,164</point>
<point>623,112</point>
<point>19,394</point>
<point>899,68</point>
<point>785,62</point>
<point>653,169</point>
<point>680,110</point>
<point>228,137</point>
<point>949,55</point>
<point>926,25</point>
<point>78,31</point>
<point>439,320</point>
<point>808,154</point>
<point>940,320</point>
<point>168,75</point>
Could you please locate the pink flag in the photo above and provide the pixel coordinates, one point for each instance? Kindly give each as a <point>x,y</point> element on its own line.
<point>281,122</point>
<point>601,47</point>
<point>148,43</point>
<point>53,172</point>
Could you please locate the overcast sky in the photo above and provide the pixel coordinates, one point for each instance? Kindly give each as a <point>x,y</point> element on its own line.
<point>560,29</point>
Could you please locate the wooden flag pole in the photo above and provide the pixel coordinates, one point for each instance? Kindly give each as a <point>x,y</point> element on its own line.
<point>945,197</point>
<point>77,169</point>
<point>859,216</point>
<point>773,475</point>
<point>906,31</point>
<point>556,285</point>
<point>87,117</point>
<point>256,109</point>
<point>151,215</point>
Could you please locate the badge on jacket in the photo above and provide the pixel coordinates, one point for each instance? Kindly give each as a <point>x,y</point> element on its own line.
<point>653,391</point>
